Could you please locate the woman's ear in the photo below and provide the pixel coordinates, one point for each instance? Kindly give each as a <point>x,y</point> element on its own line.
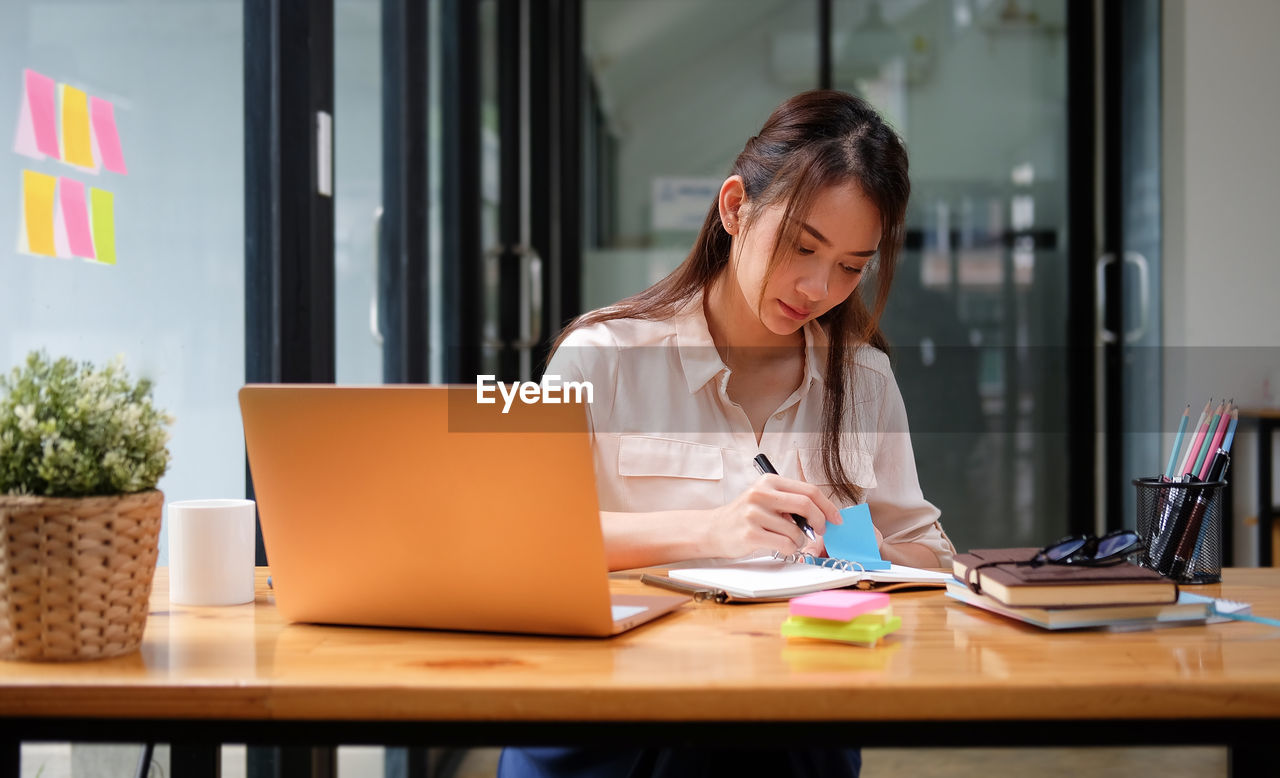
<point>733,195</point>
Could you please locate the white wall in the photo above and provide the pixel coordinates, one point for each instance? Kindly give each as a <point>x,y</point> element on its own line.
<point>1221,190</point>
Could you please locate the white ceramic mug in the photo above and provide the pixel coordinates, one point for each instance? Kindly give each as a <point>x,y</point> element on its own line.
<point>211,552</point>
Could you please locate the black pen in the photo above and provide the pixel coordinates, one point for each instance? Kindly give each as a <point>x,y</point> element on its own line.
<point>1190,538</point>
<point>766,468</point>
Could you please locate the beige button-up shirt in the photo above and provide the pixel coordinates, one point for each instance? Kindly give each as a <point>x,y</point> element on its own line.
<point>667,436</point>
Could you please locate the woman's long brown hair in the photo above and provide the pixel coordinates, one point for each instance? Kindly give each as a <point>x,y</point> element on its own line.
<point>812,142</point>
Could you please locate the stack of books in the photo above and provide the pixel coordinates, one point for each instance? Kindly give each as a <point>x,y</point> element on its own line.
<point>1122,596</point>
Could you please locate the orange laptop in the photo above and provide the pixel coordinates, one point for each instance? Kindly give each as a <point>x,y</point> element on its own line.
<point>415,506</point>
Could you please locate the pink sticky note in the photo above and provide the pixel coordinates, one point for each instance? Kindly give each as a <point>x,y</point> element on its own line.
<point>103,114</point>
<point>75,215</point>
<point>44,112</point>
<point>838,605</point>
<point>24,139</point>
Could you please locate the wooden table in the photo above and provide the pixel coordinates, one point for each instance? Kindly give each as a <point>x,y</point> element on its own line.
<point>714,674</point>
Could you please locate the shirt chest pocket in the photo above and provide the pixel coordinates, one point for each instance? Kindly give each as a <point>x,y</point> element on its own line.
<point>859,466</point>
<point>641,456</point>
<point>665,474</point>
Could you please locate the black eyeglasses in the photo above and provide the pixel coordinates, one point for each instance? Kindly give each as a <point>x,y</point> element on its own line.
<point>1077,550</point>
<point>1090,551</point>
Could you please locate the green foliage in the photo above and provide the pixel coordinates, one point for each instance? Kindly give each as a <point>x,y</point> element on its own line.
<point>70,430</point>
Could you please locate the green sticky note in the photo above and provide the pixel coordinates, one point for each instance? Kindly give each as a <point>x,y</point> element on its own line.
<point>102,208</point>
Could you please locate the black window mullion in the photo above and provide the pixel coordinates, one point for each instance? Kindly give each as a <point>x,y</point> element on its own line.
<point>1113,244</point>
<point>289,274</point>
<point>565,278</point>
<point>460,177</point>
<point>555,91</point>
<point>510,179</point>
<point>1081,332</point>
<point>404,232</point>
<point>824,44</point>
<point>544,120</point>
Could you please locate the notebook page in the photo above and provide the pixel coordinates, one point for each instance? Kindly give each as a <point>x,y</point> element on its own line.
<point>902,573</point>
<point>766,578</point>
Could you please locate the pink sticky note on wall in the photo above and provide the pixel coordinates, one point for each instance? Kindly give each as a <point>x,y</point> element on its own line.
<point>75,214</point>
<point>42,104</point>
<point>103,114</point>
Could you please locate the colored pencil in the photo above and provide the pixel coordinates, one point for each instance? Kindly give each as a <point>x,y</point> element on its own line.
<point>1218,435</point>
<point>1193,445</point>
<point>1231,430</point>
<point>1203,456</point>
<point>1177,442</point>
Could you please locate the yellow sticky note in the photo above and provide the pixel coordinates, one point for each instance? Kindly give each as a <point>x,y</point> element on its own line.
<point>37,205</point>
<point>77,148</point>
<point>102,208</point>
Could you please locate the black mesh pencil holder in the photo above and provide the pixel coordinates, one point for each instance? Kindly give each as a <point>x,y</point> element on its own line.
<point>1181,524</point>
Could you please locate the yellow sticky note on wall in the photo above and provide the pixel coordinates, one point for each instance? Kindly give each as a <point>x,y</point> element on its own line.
<point>102,210</point>
<point>77,148</point>
<point>37,209</point>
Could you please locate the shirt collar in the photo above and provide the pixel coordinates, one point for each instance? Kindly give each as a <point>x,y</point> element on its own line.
<point>701,361</point>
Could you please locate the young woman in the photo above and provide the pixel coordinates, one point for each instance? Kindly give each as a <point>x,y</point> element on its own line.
<point>757,343</point>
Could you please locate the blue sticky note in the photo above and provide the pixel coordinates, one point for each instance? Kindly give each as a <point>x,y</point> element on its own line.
<point>855,540</point>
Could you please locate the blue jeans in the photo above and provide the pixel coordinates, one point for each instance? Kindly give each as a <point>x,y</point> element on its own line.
<point>678,762</point>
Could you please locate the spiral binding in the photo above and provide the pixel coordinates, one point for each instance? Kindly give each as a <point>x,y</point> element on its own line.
<point>846,565</point>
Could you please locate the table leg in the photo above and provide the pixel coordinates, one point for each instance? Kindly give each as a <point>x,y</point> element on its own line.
<point>10,759</point>
<point>1247,760</point>
<point>195,760</point>
<point>407,763</point>
<point>262,762</point>
<point>1265,429</point>
<point>292,762</point>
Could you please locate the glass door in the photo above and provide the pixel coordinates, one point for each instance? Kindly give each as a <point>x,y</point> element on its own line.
<point>673,90</point>
<point>1130,265</point>
<point>509,183</point>
<point>992,318</point>
<point>978,313</point>
<point>360,314</point>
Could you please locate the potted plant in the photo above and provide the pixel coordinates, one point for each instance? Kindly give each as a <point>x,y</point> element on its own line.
<point>81,450</point>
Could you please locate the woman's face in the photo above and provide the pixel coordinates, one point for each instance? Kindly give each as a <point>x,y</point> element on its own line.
<point>836,240</point>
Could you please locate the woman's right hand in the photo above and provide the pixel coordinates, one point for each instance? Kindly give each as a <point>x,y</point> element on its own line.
<point>760,519</point>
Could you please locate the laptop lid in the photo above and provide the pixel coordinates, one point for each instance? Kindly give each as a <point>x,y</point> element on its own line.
<point>415,506</point>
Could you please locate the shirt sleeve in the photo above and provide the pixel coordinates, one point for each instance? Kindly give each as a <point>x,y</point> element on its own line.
<point>589,354</point>
<point>898,506</point>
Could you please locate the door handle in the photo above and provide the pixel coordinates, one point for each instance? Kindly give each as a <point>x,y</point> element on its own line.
<point>1144,297</point>
<point>530,297</point>
<point>491,279</point>
<point>1104,334</point>
<point>375,324</point>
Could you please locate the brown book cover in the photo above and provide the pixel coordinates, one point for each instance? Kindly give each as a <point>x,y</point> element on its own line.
<point>1061,586</point>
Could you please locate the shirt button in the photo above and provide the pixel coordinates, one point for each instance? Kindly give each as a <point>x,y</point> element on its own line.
<point>779,415</point>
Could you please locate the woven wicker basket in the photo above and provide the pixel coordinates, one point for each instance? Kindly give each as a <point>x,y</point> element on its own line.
<point>75,574</point>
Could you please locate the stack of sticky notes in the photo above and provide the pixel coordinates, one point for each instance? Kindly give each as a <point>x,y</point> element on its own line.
<point>843,616</point>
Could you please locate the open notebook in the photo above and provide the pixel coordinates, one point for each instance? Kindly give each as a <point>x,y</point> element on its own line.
<point>766,578</point>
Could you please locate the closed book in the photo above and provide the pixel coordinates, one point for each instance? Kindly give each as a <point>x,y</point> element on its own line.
<point>1055,586</point>
<point>1185,610</point>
